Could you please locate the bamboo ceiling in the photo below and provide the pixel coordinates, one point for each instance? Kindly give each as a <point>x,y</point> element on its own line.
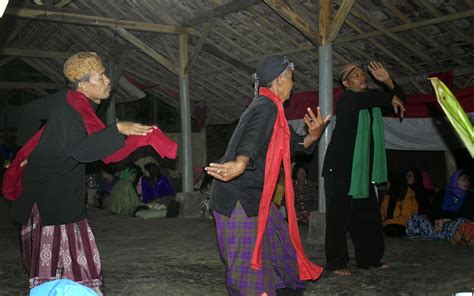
<point>412,38</point>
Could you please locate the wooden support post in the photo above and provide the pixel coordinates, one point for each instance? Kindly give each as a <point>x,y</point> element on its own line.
<point>198,47</point>
<point>185,110</point>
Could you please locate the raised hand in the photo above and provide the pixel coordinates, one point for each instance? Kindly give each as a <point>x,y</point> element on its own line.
<point>378,71</point>
<point>315,124</point>
<point>134,129</point>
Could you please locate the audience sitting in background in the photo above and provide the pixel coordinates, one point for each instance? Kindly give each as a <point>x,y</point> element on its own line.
<point>154,185</point>
<point>451,207</point>
<point>423,195</point>
<point>398,206</point>
<point>123,199</point>
<point>106,183</point>
<point>306,194</point>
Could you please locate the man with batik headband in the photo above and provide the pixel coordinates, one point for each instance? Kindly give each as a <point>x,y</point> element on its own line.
<point>354,161</point>
<point>263,255</point>
<point>49,200</point>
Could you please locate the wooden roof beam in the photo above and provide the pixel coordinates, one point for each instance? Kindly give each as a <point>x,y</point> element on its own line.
<point>220,11</point>
<point>198,47</point>
<point>162,60</point>
<point>19,52</point>
<point>325,11</point>
<point>6,60</point>
<point>363,15</point>
<point>339,19</point>
<point>28,85</point>
<point>289,15</point>
<point>405,19</point>
<point>411,26</point>
<point>60,16</point>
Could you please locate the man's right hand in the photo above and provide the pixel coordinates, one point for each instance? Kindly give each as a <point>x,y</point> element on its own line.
<point>398,106</point>
<point>128,128</point>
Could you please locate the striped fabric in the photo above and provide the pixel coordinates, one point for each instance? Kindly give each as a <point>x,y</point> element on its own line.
<point>236,238</point>
<point>60,251</point>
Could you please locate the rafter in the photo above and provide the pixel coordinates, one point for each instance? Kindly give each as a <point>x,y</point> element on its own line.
<point>55,15</point>
<point>411,26</point>
<point>170,66</point>
<point>6,60</point>
<point>198,47</point>
<point>434,11</point>
<point>220,11</point>
<point>389,4</point>
<point>289,15</point>
<point>339,19</point>
<point>20,52</point>
<point>363,15</point>
<point>34,85</point>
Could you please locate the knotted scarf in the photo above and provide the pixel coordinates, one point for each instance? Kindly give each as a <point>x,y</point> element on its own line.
<point>361,160</point>
<point>278,151</point>
<point>12,180</point>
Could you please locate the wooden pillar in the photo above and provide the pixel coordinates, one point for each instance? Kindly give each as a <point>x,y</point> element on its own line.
<point>317,225</point>
<point>185,110</point>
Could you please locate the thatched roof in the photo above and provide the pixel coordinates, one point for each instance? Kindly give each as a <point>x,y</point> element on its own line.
<point>413,38</point>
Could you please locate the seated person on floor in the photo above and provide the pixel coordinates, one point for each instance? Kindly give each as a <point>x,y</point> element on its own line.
<point>423,195</point>
<point>123,199</point>
<point>306,194</point>
<point>398,206</point>
<point>451,208</point>
<point>155,186</point>
<point>105,185</point>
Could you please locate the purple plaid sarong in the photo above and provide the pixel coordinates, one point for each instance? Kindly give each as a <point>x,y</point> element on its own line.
<point>236,238</point>
<point>66,251</point>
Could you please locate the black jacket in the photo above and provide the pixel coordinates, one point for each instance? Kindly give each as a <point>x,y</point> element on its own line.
<point>54,177</point>
<point>338,159</point>
<point>250,138</point>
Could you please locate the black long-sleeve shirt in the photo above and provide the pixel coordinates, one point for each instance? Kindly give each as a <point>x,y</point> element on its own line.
<point>54,177</point>
<point>250,138</point>
<point>340,151</point>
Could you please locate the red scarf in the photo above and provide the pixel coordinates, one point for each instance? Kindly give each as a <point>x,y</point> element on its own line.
<point>157,139</point>
<point>278,151</point>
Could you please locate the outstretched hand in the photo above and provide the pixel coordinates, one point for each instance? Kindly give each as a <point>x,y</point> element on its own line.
<point>315,124</point>
<point>128,128</point>
<point>228,171</point>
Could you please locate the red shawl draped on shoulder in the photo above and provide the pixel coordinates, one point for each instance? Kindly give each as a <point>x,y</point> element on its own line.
<point>157,139</point>
<point>278,151</point>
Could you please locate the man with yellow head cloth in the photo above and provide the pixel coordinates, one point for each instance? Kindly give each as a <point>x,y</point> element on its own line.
<point>56,239</point>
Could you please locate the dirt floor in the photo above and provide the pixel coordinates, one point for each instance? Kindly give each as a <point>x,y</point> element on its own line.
<point>179,257</point>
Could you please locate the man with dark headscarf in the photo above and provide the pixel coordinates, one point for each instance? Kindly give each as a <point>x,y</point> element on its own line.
<point>260,256</point>
<point>355,159</point>
<point>56,239</point>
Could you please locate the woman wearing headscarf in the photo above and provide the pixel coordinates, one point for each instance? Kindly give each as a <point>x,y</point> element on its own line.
<point>123,199</point>
<point>398,205</point>
<point>453,206</point>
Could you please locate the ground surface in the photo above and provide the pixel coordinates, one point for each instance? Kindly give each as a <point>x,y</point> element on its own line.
<point>179,257</point>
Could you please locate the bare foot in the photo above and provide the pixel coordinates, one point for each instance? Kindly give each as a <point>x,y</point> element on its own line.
<point>342,272</point>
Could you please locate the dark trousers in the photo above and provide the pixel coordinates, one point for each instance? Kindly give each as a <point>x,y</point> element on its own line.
<point>394,230</point>
<point>361,217</point>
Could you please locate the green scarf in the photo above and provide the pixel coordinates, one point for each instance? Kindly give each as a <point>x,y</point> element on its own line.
<point>360,162</point>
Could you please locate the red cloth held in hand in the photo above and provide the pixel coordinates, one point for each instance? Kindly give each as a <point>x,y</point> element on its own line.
<point>12,179</point>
